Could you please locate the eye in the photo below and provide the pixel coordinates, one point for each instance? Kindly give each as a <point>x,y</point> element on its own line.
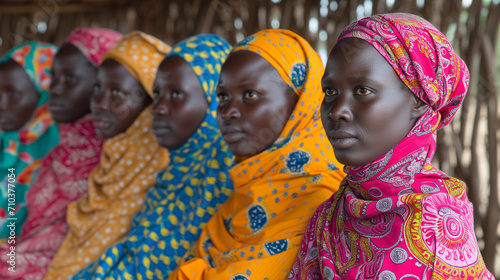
<point>363,91</point>
<point>250,95</point>
<point>223,97</point>
<point>116,93</point>
<point>177,95</point>
<point>329,91</point>
<point>156,92</point>
<point>12,94</point>
<point>69,78</point>
<point>96,90</point>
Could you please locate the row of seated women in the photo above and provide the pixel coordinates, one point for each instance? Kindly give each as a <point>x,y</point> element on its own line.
<point>137,160</point>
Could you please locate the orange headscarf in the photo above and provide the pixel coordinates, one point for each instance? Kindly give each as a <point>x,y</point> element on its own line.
<point>128,167</point>
<point>257,232</point>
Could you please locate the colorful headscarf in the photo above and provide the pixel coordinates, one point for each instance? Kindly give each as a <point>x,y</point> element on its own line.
<point>141,54</point>
<point>24,149</point>
<point>119,184</point>
<point>399,216</point>
<point>93,42</point>
<point>257,232</point>
<point>188,192</point>
<point>63,177</point>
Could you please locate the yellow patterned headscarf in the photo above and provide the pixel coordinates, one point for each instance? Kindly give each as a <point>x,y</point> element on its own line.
<point>127,169</point>
<point>141,54</point>
<point>257,232</point>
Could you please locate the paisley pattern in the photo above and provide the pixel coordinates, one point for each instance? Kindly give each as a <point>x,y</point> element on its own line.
<point>25,148</point>
<point>257,232</point>
<point>399,217</point>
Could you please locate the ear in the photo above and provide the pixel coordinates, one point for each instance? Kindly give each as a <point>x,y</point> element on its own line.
<point>419,107</point>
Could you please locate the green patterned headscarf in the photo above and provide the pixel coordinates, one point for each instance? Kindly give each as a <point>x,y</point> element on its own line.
<point>24,149</point>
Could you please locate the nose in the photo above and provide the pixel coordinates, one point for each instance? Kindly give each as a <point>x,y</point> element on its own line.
<point>229,111</point>
<point>103,101</point>
<point>160,105</point>
<point>4,101</point>
<point>55,87</point>
<point>340,109</point>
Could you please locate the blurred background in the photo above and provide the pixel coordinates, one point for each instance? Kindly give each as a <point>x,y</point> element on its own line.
<point>467,149</point>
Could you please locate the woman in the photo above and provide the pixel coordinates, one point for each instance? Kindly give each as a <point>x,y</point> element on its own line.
<point>28,131</point>
<point>268,114</point>
<point>195,183</point>
<point>63,176</point>
<point>396,215</point>
<point>130,157</point>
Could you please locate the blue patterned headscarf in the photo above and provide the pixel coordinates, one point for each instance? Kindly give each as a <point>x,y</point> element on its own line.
<point>188,192</point>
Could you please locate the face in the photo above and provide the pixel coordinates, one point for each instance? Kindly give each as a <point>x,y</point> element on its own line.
<point>180,104</point>
<point>254,103</point>
<point>367,109</point>
<point>73,77</point>
<point>118,98</point>
<point>18,96</point>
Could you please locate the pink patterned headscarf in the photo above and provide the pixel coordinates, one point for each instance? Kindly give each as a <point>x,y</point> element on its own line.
<point>93,42</point>
<point>399,216</point>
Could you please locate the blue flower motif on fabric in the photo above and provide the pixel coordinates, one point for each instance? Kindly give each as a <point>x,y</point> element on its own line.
<point>257,216</point>
<point>276,247</point>
<point>298,73</point>
<point>296,160</point>
<point>239,277</point>
<point>332,166</point>
<point>246,41</point>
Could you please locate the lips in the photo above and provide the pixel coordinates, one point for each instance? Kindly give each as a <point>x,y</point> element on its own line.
<point>102,123</point>
<point>232,134</point>
<point>341,139</point>
<point>55,106</point>
<point>160,129</point>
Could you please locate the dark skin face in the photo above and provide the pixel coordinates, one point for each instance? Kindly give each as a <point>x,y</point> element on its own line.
<point>180,104</point>
<point>118,98</point>
<point>73,78</point>
<point>367,109</point>
<point>18,96</point>
<point>255,103</point>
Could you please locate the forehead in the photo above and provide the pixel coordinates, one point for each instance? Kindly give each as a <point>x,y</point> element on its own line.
<point>356,57</point>
<point>247,65</point>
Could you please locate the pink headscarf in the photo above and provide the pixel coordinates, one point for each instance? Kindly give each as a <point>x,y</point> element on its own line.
<point>399,216</point>
<point>93,42</point>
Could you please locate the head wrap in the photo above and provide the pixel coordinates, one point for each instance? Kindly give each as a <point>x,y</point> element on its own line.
<point>189,191</point>
<point>119,184</point>
<point>400,210</point>
<point>93,42</point>
<point>141,54</point>
<point>277,190</point>
<point>24,149</point>
<point>421,56</point>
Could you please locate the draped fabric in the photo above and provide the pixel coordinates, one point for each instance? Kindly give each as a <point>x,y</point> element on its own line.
<point>257,232</point>
<point>187,193</point>
<point>24,149</point>
<point>399,216</point>
<point>63,176</point>
<point>118,185</point>
<point>93,43</point>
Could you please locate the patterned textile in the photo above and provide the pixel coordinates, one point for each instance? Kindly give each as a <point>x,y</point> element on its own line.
<point>141,54</point>
<point>400,217</point>
<point>257,232</point>
<point>188,192</point>
<point>23,150</point>
<point>119,184</point>
<point>63,177</point>
<point>93,42</point>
